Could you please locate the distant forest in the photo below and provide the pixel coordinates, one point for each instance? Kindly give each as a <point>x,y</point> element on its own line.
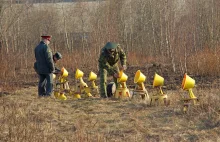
<point>184,34</point>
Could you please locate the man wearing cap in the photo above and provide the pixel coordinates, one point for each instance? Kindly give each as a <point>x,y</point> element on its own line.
<point>44,66</point>
<point>110,54</point>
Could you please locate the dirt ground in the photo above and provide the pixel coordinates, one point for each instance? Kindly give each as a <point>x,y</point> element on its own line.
<point>172,80</point>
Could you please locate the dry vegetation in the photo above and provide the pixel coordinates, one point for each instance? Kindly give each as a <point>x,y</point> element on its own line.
<point>170,37</point>
<point>24,117</point>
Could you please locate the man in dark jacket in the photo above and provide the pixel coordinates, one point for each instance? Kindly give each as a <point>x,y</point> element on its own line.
<point>56,57</point>
<point>44,67</point>
<point>111,53</point>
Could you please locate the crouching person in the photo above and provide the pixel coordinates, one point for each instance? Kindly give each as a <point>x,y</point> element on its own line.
<point>110,55</point>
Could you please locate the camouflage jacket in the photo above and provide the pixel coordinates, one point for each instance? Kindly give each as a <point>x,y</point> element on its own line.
<point>44,59</point>
<point>108,61</point>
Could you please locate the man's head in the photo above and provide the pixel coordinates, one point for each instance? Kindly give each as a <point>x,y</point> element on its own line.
<point>57,56</point>
<point>46,38</point>
<point>111,47</point>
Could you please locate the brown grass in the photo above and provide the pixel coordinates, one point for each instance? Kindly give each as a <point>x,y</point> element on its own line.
<point>24,117</point>
<point>205,62</point>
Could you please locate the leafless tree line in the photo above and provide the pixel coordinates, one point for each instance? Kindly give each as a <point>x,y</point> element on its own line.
<point>183,33</point>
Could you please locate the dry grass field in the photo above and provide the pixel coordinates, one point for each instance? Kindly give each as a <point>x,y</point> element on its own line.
<point>25,117</point>
<point>156,36</point>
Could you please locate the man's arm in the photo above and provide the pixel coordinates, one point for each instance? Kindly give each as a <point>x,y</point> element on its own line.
<point>35,67</point>
<point>49,58</point>
<point>104,64</point>
<point>57,70</point>
<point>122,56</point>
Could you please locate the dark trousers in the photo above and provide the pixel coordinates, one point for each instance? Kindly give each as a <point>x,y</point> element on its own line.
<point>45,86</point>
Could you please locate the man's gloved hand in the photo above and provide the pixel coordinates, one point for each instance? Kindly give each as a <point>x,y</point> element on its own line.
<point>124,67</point>
<point>57,72</point>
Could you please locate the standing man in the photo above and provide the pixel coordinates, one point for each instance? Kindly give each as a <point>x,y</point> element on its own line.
<point>108,64</point>
<point>44,66</point>
<point>56,57</point>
